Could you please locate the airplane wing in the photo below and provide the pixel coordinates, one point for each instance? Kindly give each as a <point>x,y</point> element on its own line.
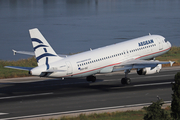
<point>19,68</point>
<point>32,53</point>
<point>139,64</point>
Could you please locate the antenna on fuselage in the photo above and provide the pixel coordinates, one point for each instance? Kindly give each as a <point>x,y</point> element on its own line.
<point>149,34</point>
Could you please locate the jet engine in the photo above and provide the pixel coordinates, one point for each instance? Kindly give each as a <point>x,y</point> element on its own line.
<point>149,70</point>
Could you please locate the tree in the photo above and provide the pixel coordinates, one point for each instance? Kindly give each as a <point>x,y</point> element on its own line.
<point>175,104</point>
<point>155,112</point>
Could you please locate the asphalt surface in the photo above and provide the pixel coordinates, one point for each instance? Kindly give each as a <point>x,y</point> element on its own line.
<point>33,96</point>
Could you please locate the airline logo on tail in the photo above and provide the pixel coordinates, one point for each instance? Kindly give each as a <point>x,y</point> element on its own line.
<point>46,54</point>
<point>43,51</point>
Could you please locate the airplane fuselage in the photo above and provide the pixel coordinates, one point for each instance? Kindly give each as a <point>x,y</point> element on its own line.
<point>102,60</point>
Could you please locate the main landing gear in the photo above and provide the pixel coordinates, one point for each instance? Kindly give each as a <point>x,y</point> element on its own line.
<point>91,78</point>
<point>126,80</point>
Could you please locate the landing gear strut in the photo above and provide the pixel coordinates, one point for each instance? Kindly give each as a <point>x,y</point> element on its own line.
<point>126,80</point>
<point>91,78</point>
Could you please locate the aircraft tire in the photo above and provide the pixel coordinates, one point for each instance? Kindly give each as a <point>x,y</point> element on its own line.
<point>123,81</point>
<point>126,81</point>
<point>91,78</point>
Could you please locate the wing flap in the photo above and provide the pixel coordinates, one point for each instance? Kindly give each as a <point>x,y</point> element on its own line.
<point>144,62</point>
<point>139,64</point>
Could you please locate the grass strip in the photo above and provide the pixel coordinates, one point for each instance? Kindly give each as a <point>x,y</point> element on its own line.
<point>128,115</point>
<point>118,115</point>
<point>11,73</point>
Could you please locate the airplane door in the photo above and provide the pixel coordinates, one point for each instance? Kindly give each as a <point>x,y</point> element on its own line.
<point>69,68</point>
<point>160,44</point>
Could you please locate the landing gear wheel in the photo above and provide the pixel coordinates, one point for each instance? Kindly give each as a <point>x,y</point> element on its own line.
<point>126,81</point>
<point>91,78</point>
<point>123,81</point>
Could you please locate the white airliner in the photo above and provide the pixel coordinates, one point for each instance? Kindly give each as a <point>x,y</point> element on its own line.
<point>136,54</point>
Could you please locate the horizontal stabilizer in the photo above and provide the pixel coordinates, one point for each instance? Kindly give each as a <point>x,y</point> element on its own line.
<point>23,52</point>
<point>19,68</point>
<point>32,53</point>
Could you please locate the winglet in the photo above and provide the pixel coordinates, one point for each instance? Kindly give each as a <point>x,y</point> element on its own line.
<point>171,62</point>
<point>14,52</point>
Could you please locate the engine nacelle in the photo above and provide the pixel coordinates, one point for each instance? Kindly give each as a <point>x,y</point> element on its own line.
<point>148,70</point>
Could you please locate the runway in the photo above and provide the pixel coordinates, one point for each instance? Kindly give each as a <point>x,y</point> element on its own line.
<point>32,96</point>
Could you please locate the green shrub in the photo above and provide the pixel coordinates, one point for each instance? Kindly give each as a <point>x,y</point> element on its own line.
<point>155,112</point>
<point>175,104</point>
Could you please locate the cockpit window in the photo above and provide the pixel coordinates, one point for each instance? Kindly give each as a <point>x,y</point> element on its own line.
<point>165,40</point>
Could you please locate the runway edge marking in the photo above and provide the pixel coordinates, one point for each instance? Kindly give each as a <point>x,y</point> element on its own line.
<point>25,96</point>
<point>153,84</point>
<point>4,113</point>
<point>79,111</point>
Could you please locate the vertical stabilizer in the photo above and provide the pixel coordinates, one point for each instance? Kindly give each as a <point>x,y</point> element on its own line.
<point>43,51</point>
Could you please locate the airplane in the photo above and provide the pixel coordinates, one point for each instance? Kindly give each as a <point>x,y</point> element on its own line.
<point>138,54</point>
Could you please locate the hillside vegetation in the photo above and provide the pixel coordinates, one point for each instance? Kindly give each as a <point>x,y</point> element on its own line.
<point>173,55</point>
<point>11,73</point>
